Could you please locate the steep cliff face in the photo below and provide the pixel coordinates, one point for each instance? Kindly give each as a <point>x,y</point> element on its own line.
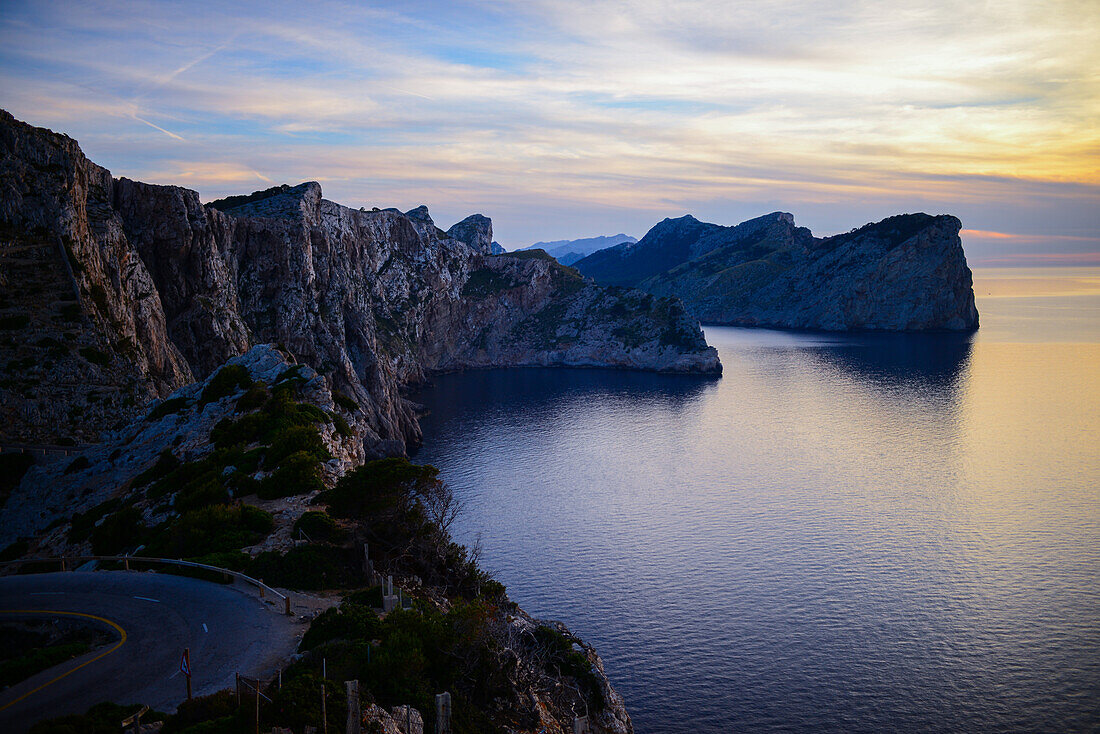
<point>906,273</point>
<point>373,300</point>
<point>83,338</point>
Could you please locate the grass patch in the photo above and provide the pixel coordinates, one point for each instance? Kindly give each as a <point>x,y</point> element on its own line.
<point>486,282</point>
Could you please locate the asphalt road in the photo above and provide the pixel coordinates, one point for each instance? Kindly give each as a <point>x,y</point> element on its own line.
<point>152,618</point>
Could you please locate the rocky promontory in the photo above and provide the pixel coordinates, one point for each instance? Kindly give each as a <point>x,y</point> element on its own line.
<point>905,273</point>
<point>116,292</point>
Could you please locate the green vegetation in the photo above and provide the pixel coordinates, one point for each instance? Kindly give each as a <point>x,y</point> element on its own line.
<point>345,402</point>
<point>316,526</point>
<point>253,398</point>
<point>486,282</point>
<point>232,202</point>
<point>228,380</point>
<point>84,522</point>
<point>119,531</point>
<point>296,474</point>
<point>310,567</point>
<point>212,529</point>
<point>29,647</point>
<point>103,718</point>
<point>166,463</point>
<point>168,407</point>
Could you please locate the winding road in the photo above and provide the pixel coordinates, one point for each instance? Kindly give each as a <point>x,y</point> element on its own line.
<point>152,618</point>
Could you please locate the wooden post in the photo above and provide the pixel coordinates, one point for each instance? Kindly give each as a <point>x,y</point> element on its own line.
<point>288,612</point>
<point>443,713</point>
<point>256,688</point>
<point>353,723</point>
<point>324,714</point>
<point>238,690</point>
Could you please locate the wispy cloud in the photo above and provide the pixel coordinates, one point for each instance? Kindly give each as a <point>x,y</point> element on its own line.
<point>565,118</point>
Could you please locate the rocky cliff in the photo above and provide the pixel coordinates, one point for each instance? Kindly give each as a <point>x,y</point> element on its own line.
<point>116,292</point>
<point>905,273</point>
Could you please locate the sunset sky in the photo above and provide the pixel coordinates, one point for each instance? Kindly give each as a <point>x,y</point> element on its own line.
<point>563,119</point>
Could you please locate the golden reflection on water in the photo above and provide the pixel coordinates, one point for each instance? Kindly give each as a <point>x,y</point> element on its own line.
<point>1036,282</point>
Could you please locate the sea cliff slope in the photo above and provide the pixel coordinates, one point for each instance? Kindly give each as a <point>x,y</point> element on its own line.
<point>116,292</point>
<point>905,273</point>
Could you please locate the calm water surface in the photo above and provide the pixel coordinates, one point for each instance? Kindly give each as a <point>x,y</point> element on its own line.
<point>841,534</point>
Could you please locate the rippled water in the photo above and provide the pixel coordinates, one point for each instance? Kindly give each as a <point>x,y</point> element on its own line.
<point>840,534</point>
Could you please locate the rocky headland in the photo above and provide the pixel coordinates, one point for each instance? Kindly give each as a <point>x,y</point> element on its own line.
<point>905,273</point>
<point>117,292</point>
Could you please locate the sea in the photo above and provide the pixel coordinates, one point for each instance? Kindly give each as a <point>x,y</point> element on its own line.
<point>842,533</point>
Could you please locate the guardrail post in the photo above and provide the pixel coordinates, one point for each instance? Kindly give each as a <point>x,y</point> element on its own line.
<point>126,563</point>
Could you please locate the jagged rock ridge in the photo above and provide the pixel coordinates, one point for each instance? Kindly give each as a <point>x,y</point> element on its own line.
<point>170,289</point>
<point>905,273</point>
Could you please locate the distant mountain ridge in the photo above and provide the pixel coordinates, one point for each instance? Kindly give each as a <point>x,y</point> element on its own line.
<point>568,252</point>
<point>905,273</point>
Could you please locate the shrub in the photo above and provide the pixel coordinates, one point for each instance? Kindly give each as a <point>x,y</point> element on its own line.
<point>349,621</point>
<point>200,709</point>
<point>213,529</point>
<point>344,402</point>
<point>206,489</point>
<point>165,464</point>
<point>121,530</point>
<point>80,463</point>
<point>253,398</point>
<point>316,526</point>
<point>297,474</point>
<point>376,486</point>
<point>298,703</point>
<point>342,426</point>
<point>294,440</point>
<point>103,718</point>
<point>307,567</point>
<point>167,407</point>
<point>227,381</point>
<point>84,522</point>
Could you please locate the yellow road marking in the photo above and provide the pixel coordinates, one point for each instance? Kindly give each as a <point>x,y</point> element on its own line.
<point>121,632</point>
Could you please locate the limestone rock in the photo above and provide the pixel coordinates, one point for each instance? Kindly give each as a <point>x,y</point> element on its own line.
<point>476,231</point>
<point>905,273</point>
<point>167,289</point>
<point>52,493</point>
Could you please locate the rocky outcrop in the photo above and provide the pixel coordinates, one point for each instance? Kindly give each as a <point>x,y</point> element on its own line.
<point>83,338</point>
<point>169,289</point>
<point>476,231</point>
<point>53,493</point>
<point>905,273</point>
